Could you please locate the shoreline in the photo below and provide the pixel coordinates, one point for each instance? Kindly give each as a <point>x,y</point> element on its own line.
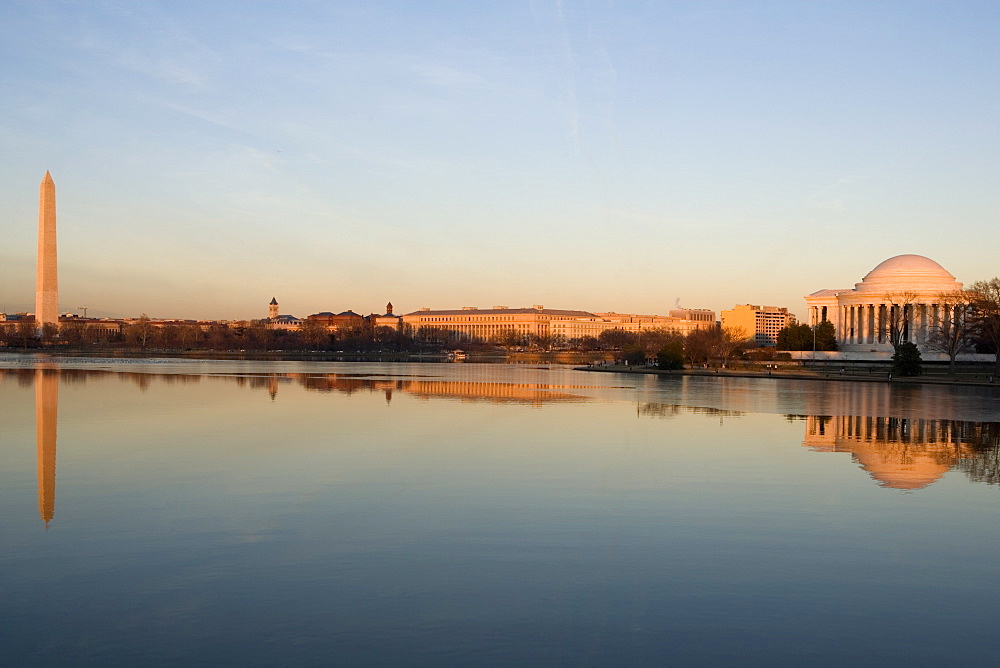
<point>978,379</point>
<point>561,357</point>
<point>248,355</point>
<point>776,374</point>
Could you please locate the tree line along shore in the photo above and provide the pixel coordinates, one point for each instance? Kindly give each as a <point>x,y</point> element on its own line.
<point>971,324</point>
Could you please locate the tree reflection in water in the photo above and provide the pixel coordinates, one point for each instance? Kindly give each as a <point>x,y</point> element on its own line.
<point>877,426</point>
<point>909,453</point>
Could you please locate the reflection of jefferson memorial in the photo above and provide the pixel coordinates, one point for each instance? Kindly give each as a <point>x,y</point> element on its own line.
<point>904,437</point>
<point>900,453</point>
<point>861,316</point>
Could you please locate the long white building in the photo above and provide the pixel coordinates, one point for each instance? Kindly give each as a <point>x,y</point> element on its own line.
<point>487,324</point>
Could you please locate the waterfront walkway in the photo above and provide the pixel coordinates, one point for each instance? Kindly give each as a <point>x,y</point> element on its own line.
<point>976,379</point>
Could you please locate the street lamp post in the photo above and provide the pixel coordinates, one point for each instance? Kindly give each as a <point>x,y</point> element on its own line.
<point>814,342</point>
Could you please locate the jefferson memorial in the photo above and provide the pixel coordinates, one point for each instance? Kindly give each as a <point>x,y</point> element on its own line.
<point>860,315</point>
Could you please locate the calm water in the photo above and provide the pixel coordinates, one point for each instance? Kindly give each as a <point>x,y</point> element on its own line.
<point>337,513</point>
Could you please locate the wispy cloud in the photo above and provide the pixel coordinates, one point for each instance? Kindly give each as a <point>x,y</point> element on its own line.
<point>833,195</point>
<point>167,55</point>
<point>444,75</point>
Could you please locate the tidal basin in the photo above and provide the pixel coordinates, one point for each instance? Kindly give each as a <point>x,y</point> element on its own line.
<point>261,513</point>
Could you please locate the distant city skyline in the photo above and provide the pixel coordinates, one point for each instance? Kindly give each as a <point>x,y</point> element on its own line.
<point>582,156</point>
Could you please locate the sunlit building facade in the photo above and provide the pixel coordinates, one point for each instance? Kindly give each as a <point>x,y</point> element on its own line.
<point>387,319</point>
<point>278,320</point>
<point>908,291</point>
<point>338,321</point>
<point>760,322</point>
<point>472,322</point>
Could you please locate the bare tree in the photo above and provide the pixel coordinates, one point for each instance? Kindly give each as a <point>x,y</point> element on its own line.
<point>433,336</point>
<point>72,332</point>
<point>166,336</point>
<point>653,340</point>
<point>50,332</point>
<point>140,331</point>
<point>510,338</point>
<point>985,315</point>
<point>314,333</point>
<point>540,342</point>
<point>385,337</point>
<point>730,340</point>
<point>218,337</point>
<point>949,333</point>
<point>189,335</point>
<point>699,345</point>
<point>260,334</point>
<point>895,323</point>
<point>617,338</point>
<point>26,333</point>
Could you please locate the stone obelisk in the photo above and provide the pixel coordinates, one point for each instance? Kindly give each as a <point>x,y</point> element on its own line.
<point>47,284</point>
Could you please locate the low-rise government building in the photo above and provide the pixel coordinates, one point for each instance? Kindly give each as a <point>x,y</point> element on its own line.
<point>472,322</point>
<point>276,320</point>
<point>387,319</point>
<point>338,321</point>
<point>331,321</point>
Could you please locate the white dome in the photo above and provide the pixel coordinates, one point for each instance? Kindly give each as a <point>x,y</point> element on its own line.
<point>906,273</point>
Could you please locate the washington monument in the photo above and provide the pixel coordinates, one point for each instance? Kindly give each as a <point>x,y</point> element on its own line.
<point>47,283</point>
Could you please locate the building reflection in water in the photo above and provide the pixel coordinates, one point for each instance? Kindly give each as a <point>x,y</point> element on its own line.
<point>650,409</point>
<point>903,437</point>
<point>46,420</point>
<point>908,453</point>
<point>879,425</point>
<point>46,382</point>
<point>885,430</point>
<point>534,394</point>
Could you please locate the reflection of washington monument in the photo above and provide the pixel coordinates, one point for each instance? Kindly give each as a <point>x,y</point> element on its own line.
<point>46,417</point>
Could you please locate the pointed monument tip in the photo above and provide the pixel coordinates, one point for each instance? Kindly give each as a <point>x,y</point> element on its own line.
<point>48,177</point>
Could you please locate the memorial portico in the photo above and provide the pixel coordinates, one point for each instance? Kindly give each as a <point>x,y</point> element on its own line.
<point>907,293</point>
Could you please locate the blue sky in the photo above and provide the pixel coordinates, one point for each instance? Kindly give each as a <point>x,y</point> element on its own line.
<point>594,155</point>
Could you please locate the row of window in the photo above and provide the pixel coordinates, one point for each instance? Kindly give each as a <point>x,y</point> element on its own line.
<point>480,319</point>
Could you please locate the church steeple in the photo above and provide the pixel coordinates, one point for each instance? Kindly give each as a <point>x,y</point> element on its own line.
<point>272,309</point>
<point>388,308</point>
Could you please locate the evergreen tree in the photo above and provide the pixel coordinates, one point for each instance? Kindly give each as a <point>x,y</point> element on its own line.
<point>826,337</point>
<point>906,361</point>
<point>634,355</point>
<point>795,337</point>
<point>671,356</point>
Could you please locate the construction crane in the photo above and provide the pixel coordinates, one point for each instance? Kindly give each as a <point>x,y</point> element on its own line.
<point>84,309</point>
